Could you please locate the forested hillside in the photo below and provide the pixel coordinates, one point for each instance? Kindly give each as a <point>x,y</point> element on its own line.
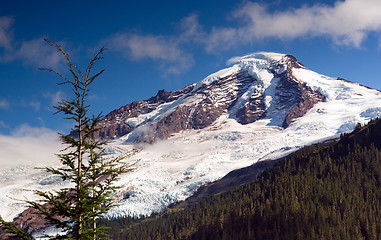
<point>326,191</point>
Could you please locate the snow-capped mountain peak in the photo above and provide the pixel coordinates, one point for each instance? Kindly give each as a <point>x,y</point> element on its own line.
<point>264,105</point>
<point>257,86</point>
<point>252,63</point>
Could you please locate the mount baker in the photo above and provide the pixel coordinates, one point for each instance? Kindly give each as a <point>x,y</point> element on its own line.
<point>264,106</point>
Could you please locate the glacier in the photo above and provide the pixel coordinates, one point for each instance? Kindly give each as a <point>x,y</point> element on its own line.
<point>172,169</point>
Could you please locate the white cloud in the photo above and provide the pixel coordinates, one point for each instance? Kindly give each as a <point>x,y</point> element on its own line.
<point>29,146</point>
<point>346,23</point>
<point>221,39</point>
<point>181,65</point>
<point>169,51</point>
<point>34,52</point>
<point>36,105</point>
<point>38,53</point>
<point>4,104</point>
<point>191,29</point>
<point>6,33</point>
<point>147,46</point>
<point>55,97</point>
<point>164,49</point>
<point>27,131</point>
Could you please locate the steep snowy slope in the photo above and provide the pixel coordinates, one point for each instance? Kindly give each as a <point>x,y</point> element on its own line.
<point>264,106</point>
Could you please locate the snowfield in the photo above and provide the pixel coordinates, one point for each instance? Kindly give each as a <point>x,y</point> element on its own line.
<point>171,170</point>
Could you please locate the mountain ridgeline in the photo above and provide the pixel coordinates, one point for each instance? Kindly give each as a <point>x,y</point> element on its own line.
<point>240,94</point>
<point>324,191</point>
<point>234,123</point>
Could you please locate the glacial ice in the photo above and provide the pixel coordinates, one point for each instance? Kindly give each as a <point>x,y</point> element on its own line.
<point>171,170</point>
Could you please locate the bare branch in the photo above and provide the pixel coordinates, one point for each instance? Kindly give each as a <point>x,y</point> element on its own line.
<point>59,49</point>
<point>59,74</point>
<point>95,76</point>
<point>97,56</point>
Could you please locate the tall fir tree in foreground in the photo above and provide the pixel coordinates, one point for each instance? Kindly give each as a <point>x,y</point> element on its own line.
<point>75,209</point>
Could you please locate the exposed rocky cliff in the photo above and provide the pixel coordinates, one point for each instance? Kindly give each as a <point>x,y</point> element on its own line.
<point>114,123</point>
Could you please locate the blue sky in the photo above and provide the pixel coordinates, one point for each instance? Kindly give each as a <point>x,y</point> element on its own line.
<point>168,44</point>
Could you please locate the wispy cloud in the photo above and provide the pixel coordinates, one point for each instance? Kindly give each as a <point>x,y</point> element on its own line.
<point>146,46</point>
<point>191,29</point>
<point>169,51</point>
<point>37,53</point>
<point>346,23</point>
<point>33,52</point>
<point>4,103</point>
<point>6,35</point>
<point>35,105</point>
<point>166,50</point>
<point>54,97</point>
<point>3,125</point>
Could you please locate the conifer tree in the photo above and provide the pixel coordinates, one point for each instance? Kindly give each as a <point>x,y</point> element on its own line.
<point>91,175</point>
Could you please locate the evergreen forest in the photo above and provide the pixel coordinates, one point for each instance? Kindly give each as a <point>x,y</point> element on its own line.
<point>324,191</point>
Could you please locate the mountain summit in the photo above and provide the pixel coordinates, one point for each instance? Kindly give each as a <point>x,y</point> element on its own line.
<point>258,86</point>
<point>264,106</point>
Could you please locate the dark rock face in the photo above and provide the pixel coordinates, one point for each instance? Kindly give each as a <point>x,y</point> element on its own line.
<point>254,108</point>
<point>30,221</point>
<point>241,95</point>
<point>294,96</point>
<point>308,98</point>
<point>114,124</point>
<point>252,111</point>
<point>216,98</point>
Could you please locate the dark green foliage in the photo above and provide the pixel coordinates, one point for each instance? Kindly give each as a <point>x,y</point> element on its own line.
<point>76,209</point>
<point>329,191</point>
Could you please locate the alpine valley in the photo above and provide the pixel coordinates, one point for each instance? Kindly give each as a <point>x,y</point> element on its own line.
<point>263,107</point>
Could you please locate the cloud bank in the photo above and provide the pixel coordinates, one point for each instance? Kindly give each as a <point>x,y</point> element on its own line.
<point>29,146</point>
<point>346,22</point>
